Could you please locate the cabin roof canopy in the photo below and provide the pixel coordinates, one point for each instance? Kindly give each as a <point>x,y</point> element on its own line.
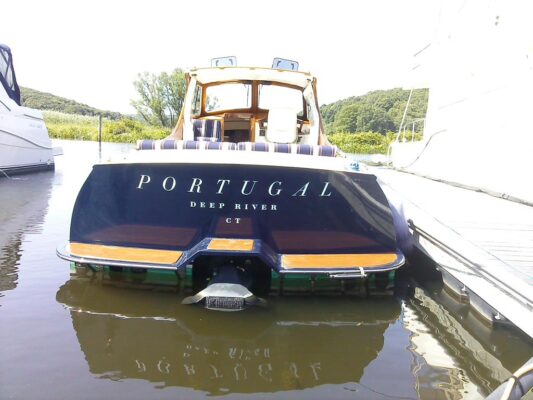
<point>7,74</point>
<point>224,74</point>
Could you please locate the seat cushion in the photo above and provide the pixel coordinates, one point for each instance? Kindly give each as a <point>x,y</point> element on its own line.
<point>170,144</point>
<point>207,128</point>
<point>305,149</point>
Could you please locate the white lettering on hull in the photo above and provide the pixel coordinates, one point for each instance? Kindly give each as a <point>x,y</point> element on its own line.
<point>324,194</point>
<point>172,184</point>
<point>221,183</point>
<point>245,185</point>
<point>197,186</point>
<point>144,179</point>
<point>271,188</point>
<point>302,192</point>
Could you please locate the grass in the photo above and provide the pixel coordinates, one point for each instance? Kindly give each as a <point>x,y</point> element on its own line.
<point>81,127</point>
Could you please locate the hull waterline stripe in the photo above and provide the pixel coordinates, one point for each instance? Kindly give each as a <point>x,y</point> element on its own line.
<point>130,254</point>
<point>231,244</point>
<point>336,261</point>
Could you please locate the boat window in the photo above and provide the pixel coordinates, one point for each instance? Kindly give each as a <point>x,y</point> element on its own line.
<point>7,74</point>
<point>274,96</point>
<point>228,96</point>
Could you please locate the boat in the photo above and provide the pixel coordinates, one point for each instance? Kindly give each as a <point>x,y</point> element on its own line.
<point>476,144</point>
<point>490,154</point>
<point>24,142</point>
<point>245,186</point>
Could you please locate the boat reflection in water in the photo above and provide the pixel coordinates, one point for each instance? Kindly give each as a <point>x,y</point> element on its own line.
<point>402,346</point>
<point>295,343</point>
<point>24,203</point>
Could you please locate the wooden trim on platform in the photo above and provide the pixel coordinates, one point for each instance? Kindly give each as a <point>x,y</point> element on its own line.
<point>231,244</point>
<point>335,261</point>
<point>128,254</point>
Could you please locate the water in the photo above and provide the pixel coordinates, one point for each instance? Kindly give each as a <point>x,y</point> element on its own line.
<point>81,337</point>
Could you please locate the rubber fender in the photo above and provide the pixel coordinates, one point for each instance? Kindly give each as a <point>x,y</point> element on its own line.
<point>521,388</point>
<point>404,238</point>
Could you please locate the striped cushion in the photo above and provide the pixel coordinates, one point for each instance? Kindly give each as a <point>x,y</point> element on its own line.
<point>207,129</point>
<point>146,144</point>
<point>251,146</point>
<point>306,149</point>
<point>170,144</point>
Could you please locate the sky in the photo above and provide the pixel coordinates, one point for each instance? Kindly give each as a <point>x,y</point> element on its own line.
<point>92,51</point>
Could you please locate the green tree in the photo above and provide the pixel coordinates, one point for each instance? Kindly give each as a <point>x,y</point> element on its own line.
<point>174,91</point>
<point>359,117</point>
<point>392,102</point>
<point>161,97</point>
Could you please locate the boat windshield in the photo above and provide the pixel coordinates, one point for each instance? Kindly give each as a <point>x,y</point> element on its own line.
<point>228,96</point>
<point>7,74</point>
<point>275,96</point>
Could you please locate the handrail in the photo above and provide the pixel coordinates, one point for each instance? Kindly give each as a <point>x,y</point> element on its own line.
<point>413,125</point>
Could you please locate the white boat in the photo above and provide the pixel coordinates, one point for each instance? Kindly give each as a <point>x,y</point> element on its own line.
<point>465,185</point>
<point>479,70</point>
<point>24,142</point>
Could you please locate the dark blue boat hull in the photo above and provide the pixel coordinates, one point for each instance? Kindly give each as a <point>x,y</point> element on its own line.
<point>281,210</point>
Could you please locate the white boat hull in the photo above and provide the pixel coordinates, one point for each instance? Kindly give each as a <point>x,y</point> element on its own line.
<point>19,153</point>
<point>24,142</point>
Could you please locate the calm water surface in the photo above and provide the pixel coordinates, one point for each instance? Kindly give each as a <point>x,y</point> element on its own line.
<point>66,336</point>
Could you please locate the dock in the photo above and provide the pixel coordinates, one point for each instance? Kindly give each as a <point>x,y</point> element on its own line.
<point>483,245</point>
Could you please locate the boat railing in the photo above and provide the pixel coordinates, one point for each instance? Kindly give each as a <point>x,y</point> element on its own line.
<point>407,127</point>
<point>410,129</point>
<point>409,132</point>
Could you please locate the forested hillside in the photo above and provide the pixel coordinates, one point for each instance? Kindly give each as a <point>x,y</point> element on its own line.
<point>45,101</point>
<point>378,111</point>
<point>369,123</point>
<point>68,119</point>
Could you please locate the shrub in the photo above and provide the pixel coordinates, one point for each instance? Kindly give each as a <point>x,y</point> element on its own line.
<point>362,142</point>
<point>81,127</point>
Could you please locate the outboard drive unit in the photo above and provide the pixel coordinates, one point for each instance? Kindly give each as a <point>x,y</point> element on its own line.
<point>228,290</point>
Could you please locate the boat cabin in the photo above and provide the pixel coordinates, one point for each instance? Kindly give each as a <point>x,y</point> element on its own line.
<point>226,103</point>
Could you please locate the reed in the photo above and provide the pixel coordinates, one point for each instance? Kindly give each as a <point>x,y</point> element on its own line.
<point>81,127</point>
